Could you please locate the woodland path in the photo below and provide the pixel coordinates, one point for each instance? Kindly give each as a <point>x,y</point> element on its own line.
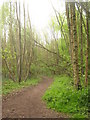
<point>28,103</point>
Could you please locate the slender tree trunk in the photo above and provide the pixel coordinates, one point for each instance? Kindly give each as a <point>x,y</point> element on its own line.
<point>89,47</point>
<point>17,40</point>
<point>24,33</point>
<point>20,55</point>
<point>71,35</point>
<point>69,28</point>
<point>75,50</point>
<point>86,71</point>
<point>81,32</point>
<point>10,34</point>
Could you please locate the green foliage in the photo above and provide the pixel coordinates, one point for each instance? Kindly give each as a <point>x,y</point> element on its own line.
<point>8,85</point>
<point>63,97</point>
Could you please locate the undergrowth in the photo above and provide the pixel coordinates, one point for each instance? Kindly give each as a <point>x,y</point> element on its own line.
<point>63,97</point>
<point>8,85</point>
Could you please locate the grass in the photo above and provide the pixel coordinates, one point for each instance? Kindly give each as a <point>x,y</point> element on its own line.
<point>63,97</point>
<point>8,85</point>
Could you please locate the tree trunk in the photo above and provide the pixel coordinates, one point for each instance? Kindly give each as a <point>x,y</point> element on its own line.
<point>69,27</point>
<point>75,50</point>
<point>86,71</point>
<point>24,33</point>
<point>20,64</point>
<point>81,32</point>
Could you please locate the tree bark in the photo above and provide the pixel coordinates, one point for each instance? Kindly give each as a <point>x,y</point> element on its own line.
<point>75,50</point>
<point>20,60</point>
<point>86,71</point>
<point>81,33</point>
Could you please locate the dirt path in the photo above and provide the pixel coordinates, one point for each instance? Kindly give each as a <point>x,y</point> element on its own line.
<point>28,103</point>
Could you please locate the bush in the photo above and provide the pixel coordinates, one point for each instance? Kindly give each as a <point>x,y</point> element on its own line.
<point>63,97</point>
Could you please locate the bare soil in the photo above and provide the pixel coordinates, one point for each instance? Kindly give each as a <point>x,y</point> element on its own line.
<point>28,103</point>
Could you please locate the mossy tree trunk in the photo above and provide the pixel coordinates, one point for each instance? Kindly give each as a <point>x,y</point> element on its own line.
<point>87,49</point>
<point>75,49</point>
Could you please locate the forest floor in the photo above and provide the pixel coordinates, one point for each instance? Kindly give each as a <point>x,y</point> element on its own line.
<point>28,103</point>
